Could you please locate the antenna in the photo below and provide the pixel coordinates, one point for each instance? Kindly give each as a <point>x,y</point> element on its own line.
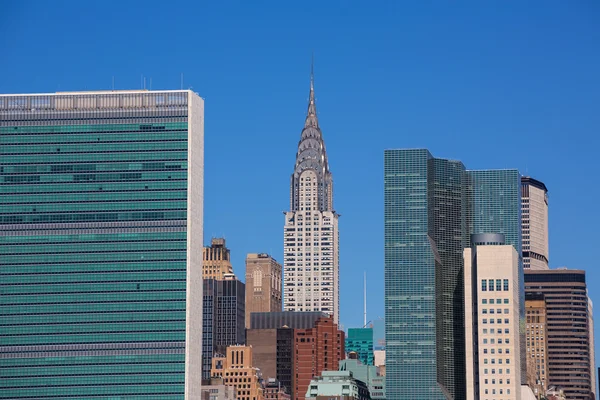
<point>182,81</point>
<point>365,296</point>
<point>144,83</point>
<point>141,81</point>
<point>150,83</point>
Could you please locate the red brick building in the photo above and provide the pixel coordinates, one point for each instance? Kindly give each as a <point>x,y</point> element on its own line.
<point>315,350</point>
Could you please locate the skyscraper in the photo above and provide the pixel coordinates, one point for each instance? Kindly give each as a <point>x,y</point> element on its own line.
<point>534,197</point>
<point>492,318</point>
<point>495,207</point>
<point>263,284</point>
<point>101,208</point>
<point>536,341</point>
<point>217,260</point>
<point>567,319</point>
<point>311,265</point>
<point>425,233</point>
<point>223,318</point>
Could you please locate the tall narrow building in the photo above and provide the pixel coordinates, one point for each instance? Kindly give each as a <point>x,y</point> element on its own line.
<point>263,285</point>
<point>101,202</point>
<point>311,250</point>
<point>534,198</point>
<point>217,260</point>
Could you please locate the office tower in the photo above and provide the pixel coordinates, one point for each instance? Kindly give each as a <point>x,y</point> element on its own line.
<point>495,207</point>
<point>263,280</point>
<point>311,249</point>
<point>217,260</point>
<point>536,333</point>
<point>222,319</point>
<point>236,369</point>
<point>365,373</point>
<point>534,197</point>
<point>337,385</point>
<point>100,238</point>
<point>360,341</point>
<point>379,334</point>
<point>592,345</point>
<point>288,319</point>
<point>569,358</point>
<point>317,349</point>
<point>492,317</point>
<point>273,353</point>
<point>425,233</point>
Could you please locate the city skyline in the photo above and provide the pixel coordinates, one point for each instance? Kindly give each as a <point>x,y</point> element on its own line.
<point>269,103</point>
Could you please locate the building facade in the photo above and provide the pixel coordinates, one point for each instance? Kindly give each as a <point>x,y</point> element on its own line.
<point>316,349</point>
<point>236,369</point>
<point>285,319</point>
<point>367,374</point>
<point>569,359</point>
<point>273,354</point>
<point>492,317</point>
<point>101,212</point>
<point>216,260</point>
<point>222,319</point>
<point>337,385</point>
<point>534,197</point>
<point>275,391</point>
<point>425,233</point>
<point>263,284</point>
<point>311,248</point>
<point>536,334</point>
<point>216,390</point>
<point>360,341</point>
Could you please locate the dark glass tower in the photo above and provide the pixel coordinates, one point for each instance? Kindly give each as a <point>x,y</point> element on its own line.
<point>425,233</point>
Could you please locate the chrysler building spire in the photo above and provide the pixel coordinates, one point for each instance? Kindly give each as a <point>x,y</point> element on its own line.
<point>311,267</point>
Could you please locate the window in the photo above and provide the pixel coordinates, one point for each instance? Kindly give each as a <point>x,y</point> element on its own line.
<point>506,311</point>
<point>483,301</point>
<point>484,311</point>
<point>505,301</point>
<point>483,285</point>
<point>506,321</point>
<point>485,341</point>
<point>498,285</point>
<point>506,285</point>
<point>505,331</point>
<point>491,285</point>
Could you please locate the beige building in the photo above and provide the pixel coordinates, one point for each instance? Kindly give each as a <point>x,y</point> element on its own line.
<point>493,360</point>
<point>263,285</point>
<point>217,260</point>
<point>536,343</point>
<point>236,369</point>
<point>534,223</point>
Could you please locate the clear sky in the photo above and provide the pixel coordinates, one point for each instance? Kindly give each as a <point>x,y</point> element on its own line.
<point>496,84</point>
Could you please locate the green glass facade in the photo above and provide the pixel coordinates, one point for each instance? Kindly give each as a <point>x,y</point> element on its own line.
<point>425,231</point>
<point>360,340</point>
<point>495,197</point>
<point>94,254</point>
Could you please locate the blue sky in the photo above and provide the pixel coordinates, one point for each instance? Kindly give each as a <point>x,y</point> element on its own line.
<point>496,84</point>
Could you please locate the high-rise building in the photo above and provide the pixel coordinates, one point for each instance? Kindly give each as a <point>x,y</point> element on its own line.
<point>495,207</point>
<point>536,334</point>
<point>492,318</point>
<point>311,248</point>
<point>263,281</point>
<point>569,349</point>
<point>317,349</point>
<point>217,260</point>
<point>425,233</point>
<point>222,319</point>
<point>236,368</point>
<point>534,198</point>
<point>592,345</point>
<point>285,319</point>
<point>101,213</point>
<point>273,352</point>
<point>360,341</point>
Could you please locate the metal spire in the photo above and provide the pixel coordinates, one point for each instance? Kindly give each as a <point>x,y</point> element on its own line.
<point>311,114</point>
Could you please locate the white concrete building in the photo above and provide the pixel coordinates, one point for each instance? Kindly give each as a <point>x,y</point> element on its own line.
<point>311,250</point>
<point>534,223</point>
<point>493,359</point>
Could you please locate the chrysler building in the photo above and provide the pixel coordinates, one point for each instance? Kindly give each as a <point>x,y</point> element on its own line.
<point>311,248</point>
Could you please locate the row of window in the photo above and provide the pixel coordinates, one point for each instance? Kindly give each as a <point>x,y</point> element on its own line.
<point>488,285</point>
<point>491,321</point>
<point>497,301</point>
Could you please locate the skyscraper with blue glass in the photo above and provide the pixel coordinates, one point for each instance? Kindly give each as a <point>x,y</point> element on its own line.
<point>425,232</point>
<point>432,206</point>
<point>101,210</point>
